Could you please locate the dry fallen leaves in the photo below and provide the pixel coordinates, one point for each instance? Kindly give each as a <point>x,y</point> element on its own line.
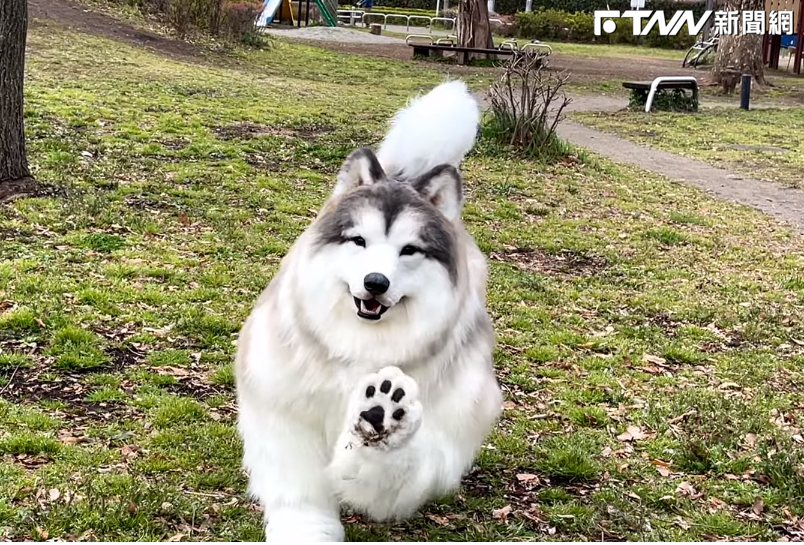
<point>686,489</point>
<point>527,477</point>
<point>502,513</point>
<point>633,433</point>
<point>656,360</point>
<point>662,467</point>
<point>758,507</point>
<point>441,521</point>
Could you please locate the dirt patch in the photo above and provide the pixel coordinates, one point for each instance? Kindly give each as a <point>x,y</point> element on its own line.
<point>247,129</point>
<point>15,234</point>
<point>125,357</point>
<point>144,202</point>
<point>27,188</point>
<point>174,144</point>
<point>28,386</point>
<point>750,147</point>
<point>197,387</point>
<point>261,162</point>
<point>78,17</point>
<point>567,262</point>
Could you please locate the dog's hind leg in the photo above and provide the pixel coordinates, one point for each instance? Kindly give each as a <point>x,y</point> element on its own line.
<point>395,454</point>
<point>286,465</point>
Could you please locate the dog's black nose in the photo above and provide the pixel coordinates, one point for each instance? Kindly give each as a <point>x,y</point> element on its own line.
<point>376,283</point>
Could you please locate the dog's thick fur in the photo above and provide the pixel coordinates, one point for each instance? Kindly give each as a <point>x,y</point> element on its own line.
<point>341,405</point>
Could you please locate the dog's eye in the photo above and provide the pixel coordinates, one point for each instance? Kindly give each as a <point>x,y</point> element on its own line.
<point>409,250</point>
<point>359,241</point>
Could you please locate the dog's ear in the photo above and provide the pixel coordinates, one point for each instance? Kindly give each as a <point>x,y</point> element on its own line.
<point>443,187</point>
<point>360,168</point>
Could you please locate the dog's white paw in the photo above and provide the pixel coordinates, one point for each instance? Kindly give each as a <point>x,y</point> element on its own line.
<point>385,409</point>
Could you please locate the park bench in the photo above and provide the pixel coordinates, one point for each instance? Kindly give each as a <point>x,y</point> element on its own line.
<point>430,48</point>
<point>648,89</point>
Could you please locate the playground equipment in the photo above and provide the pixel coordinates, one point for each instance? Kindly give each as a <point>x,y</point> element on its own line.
<point>268,12</point>
<point>772,43</point>
<point>350,16</point>
<point>328,9</point>
<point>700,52</point>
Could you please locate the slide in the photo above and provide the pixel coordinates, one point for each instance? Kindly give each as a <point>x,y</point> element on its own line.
<point>268,12</point>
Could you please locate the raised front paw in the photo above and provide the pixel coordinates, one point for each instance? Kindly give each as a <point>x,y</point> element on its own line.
<point>385,409</point>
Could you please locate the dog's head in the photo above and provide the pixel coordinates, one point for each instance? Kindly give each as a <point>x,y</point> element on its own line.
<point>388,248</point>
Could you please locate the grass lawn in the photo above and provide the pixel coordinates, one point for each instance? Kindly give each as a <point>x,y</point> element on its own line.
<point>650,339</point>
<point>766,144</point>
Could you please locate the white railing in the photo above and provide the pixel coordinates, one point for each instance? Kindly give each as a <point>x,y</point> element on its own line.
<point>349,16</point>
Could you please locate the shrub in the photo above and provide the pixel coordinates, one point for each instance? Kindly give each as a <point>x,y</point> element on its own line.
<point>181,16</point>
<point>506,30</point>
<point>232,20</point>
<point>238,21</point>
<point>526,106</point>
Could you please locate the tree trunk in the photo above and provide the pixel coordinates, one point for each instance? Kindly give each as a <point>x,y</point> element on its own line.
<point>474,29</point>
<point>739,53</point>
<point>15,178</point>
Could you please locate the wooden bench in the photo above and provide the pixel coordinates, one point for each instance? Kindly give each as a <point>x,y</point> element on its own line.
<point>436,49</point>
<point>648,88</point>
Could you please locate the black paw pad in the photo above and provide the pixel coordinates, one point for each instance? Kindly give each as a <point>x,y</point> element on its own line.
<point>370,391</point>
<point>399,393</point>
<point>375,416</point>
<point>399,413</point>
<point>385,387</point>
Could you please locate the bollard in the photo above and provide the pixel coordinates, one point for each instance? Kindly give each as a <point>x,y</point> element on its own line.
<point>745,91</point>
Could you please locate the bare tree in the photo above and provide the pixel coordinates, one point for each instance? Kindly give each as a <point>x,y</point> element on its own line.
<point>739,53</point>
<point>15,178</point>
<point>474,29</point>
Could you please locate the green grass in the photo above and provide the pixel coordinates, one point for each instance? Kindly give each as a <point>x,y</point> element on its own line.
<point>622,302</point>
<point>765,143</point>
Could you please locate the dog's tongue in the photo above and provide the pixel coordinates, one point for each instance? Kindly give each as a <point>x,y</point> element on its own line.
<point>372,305</point>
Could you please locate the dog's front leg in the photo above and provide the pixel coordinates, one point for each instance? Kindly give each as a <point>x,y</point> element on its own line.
<point>392,458</point>
<point>286,463</point>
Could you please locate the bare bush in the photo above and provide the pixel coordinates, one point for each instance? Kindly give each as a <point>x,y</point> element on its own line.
<point>527,104</point>
<point>181,16</point>
<point>239,20</point>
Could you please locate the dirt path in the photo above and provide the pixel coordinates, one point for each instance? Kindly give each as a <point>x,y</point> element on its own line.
<point>782,203</point>
<point>78,17</point>
<point>331,34</point>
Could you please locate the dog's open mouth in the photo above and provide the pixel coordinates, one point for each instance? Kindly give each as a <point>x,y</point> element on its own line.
<point>369,309</point>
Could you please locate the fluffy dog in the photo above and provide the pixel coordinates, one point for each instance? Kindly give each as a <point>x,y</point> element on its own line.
<point>364,372</point>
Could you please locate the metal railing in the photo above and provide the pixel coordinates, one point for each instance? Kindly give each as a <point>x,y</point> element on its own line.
<point>349,16</point>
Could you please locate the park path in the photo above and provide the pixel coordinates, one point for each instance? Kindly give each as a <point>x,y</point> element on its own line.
<point>783,203</point>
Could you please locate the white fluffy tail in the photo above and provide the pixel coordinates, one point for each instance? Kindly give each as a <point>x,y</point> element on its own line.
<point>435,129</point>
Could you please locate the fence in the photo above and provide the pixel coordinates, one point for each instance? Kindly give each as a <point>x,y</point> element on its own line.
<point>349,16</point>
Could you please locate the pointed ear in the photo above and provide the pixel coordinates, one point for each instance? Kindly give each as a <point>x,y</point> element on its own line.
<point>360,168</point>
<point>443,187</point>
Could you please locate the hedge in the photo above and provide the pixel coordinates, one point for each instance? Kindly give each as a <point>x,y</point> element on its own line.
<point>509,7</point>
<point>556,25</point>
